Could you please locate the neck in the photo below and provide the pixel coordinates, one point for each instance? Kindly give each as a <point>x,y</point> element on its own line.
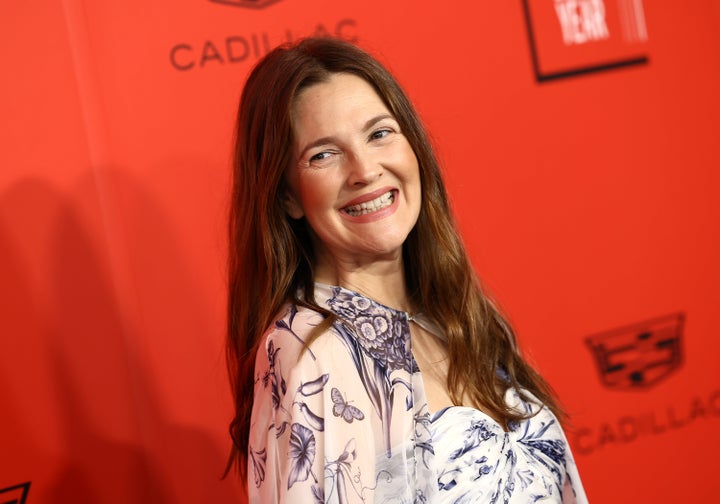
<point>380,280</point>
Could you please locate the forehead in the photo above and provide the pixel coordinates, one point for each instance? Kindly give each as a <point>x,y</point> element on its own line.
<point>341,95</point>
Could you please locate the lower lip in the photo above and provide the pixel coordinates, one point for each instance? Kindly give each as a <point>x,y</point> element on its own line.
<point>374,216</point>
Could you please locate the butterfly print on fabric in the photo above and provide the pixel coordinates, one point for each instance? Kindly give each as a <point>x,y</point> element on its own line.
<point>341,408</point>
<point>361,368</point>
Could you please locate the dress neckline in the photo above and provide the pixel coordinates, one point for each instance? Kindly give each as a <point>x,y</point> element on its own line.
<point>324,291</point>
<point>328,288</point>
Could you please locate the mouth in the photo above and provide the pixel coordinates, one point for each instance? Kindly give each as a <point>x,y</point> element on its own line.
<point>367,207</point>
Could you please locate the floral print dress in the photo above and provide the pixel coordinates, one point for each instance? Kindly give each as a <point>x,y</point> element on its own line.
<point>345,420</point>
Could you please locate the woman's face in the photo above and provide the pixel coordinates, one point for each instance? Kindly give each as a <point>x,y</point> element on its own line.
<point>355,177</point>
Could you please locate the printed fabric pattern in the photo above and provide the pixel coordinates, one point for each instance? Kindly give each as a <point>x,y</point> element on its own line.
<point>345,420</point>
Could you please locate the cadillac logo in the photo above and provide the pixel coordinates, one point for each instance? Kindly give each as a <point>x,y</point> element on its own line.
<point>640,355</point>
<point>253,4</point>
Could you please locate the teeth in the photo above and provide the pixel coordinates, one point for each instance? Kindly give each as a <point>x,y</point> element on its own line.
<point>370,206</point>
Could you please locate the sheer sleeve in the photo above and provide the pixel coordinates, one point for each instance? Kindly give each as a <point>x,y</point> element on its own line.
<point>285,461</point>
<point>572,491</point>
<point>304,426</point>
<point>345,420</point>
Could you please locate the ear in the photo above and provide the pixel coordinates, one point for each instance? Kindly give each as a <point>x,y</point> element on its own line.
<point>291,205</point>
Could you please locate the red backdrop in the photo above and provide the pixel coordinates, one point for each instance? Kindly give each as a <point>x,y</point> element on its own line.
<point>580,144</point>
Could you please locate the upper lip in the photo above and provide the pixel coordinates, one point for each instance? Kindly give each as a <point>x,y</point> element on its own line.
<point>368,196</point>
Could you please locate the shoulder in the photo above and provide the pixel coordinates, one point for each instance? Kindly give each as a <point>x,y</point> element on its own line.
<point>298,321</point>
<point>524,402</point>
<point>292,336</point>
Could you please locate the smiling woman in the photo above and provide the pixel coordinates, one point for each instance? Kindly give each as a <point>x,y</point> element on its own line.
<point>356,180</point>
<point>366,363</point>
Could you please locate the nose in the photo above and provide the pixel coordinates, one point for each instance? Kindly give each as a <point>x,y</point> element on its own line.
<point>363,169</point>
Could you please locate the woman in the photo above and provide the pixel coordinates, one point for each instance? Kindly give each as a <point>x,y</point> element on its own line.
<point>366,363</point>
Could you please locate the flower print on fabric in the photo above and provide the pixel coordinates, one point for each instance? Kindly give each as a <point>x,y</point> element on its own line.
<point>382,332</point>
<point>345,420</point>
<point>309,389</point>
<point>339,471</point>
<point>423,435</point>
<point>299,420</point>
<point>258,460</point>
<point>528,463</point>
<point>473,436</point>
<point>302,454</point>
<point>274,378</point>
<point>301,437</point>
<point>380,348</point>
<point>287,326</point>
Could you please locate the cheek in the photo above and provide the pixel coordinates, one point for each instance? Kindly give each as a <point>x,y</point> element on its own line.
<point>412,173</point>
<point>316,191</point>
<point>406,157</point>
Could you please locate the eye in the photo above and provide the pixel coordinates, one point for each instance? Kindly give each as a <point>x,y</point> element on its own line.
<point>322,159</point>
<point>321,156</point>
<point>381,133</point>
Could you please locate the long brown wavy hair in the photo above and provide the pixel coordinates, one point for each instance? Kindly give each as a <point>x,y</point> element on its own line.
<point>271,256</point>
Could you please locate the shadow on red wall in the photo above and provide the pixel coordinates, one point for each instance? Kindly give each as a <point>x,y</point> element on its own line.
<point>74,369</point>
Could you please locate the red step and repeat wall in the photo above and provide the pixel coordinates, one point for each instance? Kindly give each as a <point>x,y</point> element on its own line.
<point>581,145</point>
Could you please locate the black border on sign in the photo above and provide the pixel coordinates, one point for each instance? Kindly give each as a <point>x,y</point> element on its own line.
<point>245,4</point>
<point>573,72</point>
<point>24,486</point>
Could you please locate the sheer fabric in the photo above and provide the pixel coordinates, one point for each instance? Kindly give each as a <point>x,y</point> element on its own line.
<point>345,420</point>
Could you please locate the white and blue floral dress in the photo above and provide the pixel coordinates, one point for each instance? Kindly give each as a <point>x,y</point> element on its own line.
<point>345,420</point>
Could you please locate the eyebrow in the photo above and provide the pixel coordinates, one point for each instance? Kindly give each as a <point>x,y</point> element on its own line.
<point>331,139</point>
<point>372,122</point>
